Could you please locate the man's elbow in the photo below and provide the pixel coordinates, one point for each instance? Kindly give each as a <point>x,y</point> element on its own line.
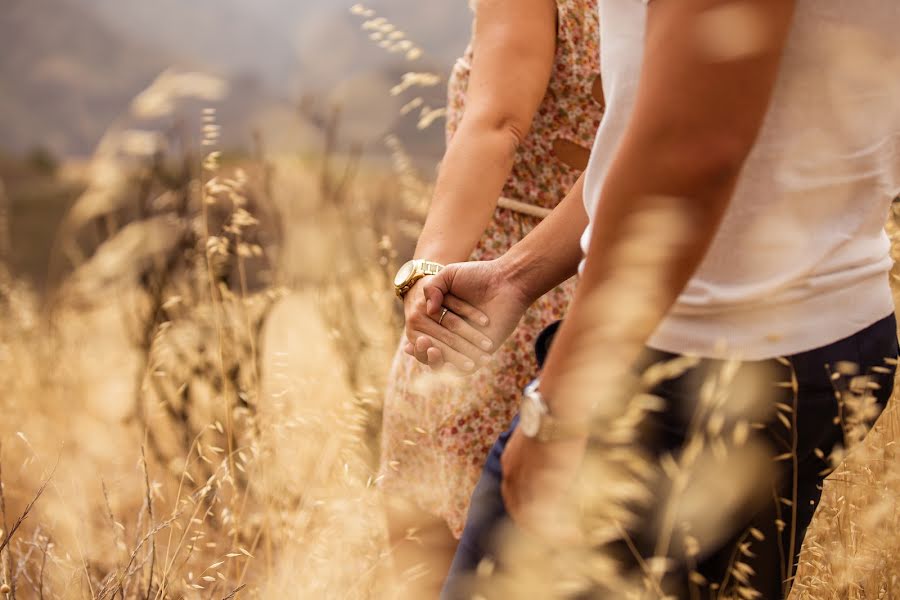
<point>707,160</point>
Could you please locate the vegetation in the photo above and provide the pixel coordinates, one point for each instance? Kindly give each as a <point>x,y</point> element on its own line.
<point>193,350</point>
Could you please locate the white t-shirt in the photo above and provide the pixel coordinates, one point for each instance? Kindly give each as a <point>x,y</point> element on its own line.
<point>801,258</point>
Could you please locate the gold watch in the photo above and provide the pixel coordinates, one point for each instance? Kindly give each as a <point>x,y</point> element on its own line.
<point>413,271</point>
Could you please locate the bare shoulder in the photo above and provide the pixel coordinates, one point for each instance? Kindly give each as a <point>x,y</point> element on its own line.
<point>528,15</point>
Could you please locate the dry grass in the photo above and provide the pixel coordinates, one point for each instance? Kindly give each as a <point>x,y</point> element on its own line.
<point>852,548</point>
<point>193,414</point>
<point>193,411</point>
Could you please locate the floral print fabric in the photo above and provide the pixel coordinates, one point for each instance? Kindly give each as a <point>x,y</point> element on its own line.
<point>437,430</point>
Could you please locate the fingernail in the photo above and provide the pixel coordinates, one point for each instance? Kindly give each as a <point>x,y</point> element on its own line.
<point>483,320</point>
<point>487,344</point>
<point>485,360</point>
<point>468,365</point>
<point>428,305</point>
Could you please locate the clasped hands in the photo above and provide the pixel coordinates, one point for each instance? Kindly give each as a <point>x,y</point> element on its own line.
<point>482,307</point>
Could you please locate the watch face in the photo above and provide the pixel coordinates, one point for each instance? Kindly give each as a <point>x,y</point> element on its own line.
<point>529,419</point>
<point>404,274</point>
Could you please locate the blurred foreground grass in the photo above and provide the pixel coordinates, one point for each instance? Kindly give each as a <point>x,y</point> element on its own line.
<point>192,398</point>
<point>192,355</point>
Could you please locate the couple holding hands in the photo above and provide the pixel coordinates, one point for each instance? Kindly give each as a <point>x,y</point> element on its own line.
<point>627,183</point>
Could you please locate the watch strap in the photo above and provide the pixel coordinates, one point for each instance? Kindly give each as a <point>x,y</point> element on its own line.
<point>421,268</point>
<point>407,285</point>
<point>429,267</point>
<point>550,428</point>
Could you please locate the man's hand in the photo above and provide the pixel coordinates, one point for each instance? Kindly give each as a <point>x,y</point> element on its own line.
<point>455,339</point>
<point>537,483</point>
<point>483,310</point>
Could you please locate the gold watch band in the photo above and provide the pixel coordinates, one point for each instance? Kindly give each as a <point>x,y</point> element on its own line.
<point>430,267</point>
<point>419,268</point>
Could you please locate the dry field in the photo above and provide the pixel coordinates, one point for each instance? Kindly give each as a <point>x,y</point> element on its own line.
<point>191,408</point>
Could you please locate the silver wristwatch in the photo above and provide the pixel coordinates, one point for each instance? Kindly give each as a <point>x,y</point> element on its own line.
<point>537,423</point>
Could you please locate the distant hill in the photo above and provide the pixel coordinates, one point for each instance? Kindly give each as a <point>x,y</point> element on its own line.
<point>336,58</point>
<point>299,46</point>
<point>70,67</point>
<point>331,46</point>
<point>64,74</point>
<point>225,35</point>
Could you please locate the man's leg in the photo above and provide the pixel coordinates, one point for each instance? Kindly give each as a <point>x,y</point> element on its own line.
<point>778,513</point>
<point>487,515</point>
<point>812,426</point>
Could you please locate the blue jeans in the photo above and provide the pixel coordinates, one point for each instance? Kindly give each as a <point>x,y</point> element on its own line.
<point>487,512</point>
<point>661,433</point>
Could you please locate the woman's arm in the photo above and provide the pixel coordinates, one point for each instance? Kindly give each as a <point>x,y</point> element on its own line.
<point>696,118</point>
<point>514,44</point>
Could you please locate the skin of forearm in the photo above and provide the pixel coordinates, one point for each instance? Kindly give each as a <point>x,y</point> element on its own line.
<point>694,123</point>
<point>471,179</point>
<point>626,194</point>
<point>551,252</point>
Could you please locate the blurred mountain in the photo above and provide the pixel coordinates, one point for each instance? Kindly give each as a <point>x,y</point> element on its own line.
<point>293,45</point>
<point>331,46</point>
<point>71,67</point>
<point>336,58</point>
<point>310,48</point>
<point>65,75</point>
<point>226,35</point>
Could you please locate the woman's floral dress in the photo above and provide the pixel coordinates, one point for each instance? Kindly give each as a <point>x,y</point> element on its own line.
<point>437,430</point>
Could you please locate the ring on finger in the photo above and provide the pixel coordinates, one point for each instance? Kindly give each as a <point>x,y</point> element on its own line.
<point>443,314</point>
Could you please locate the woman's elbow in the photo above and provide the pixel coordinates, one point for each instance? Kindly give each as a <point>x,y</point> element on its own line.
<point>508,128</point>
<point>514,128</point>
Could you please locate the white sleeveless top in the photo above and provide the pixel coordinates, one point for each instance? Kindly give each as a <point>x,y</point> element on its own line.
<point>801,258</point>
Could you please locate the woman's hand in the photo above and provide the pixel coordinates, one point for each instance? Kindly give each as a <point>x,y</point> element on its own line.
<point>437,337</point>
<point>483,309</point>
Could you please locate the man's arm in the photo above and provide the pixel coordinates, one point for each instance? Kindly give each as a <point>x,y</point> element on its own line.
<point>551,252</point>
<point>545,258</point>
<point>513,43</point>
<point>709,70</point>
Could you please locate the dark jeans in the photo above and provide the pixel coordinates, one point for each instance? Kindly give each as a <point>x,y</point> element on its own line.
<point>817,432</point>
